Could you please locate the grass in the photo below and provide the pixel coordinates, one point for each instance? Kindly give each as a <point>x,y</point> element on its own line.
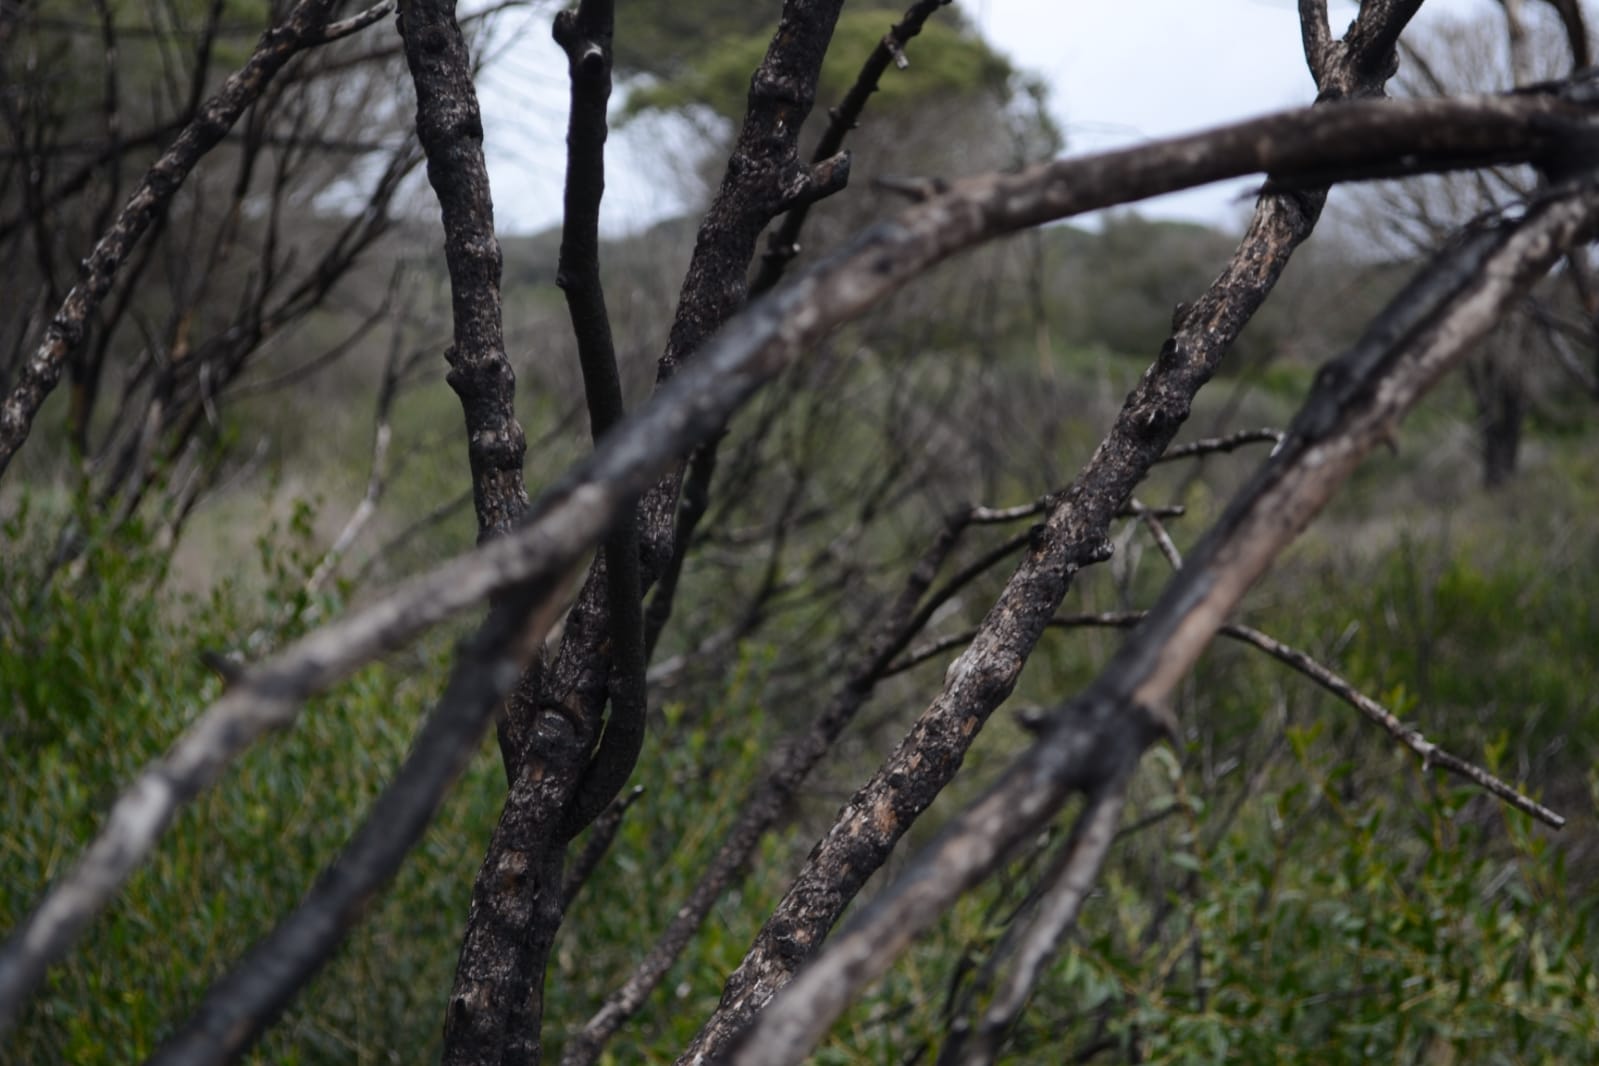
<point>1299,890</point>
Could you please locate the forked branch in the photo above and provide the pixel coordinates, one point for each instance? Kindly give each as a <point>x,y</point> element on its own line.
<point>1099,736</point>
<point>575,513</point>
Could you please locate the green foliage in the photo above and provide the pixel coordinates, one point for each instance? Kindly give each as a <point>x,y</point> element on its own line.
<point>665,40</point>
<point>104,676</point>
<point>706,759</point>
<point>1300,890</point>
<point>108,672</point>
<point>946,61</point>
<point>1416,942</point>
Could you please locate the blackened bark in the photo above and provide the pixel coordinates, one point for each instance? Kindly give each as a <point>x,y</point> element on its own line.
<point>783,244</point>
<point>553,720</point>
<point>574,514</point>
<point>585,36</point>
<point>450,127</point>
<point>1090,742</point>
<point>1073,535</point>
<point>760,809</point>
<point>781,248</point>
<point>764,177</point>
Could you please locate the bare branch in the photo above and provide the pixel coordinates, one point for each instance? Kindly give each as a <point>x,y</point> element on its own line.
<point>377,475</point>
<point>1430,754</point>
<point>1316,35</point>
<point>240,1005</point>
<point>1157,532</point>
<point>781,247</point>
<point>600,835</point>
<point>1073,535</point>
<point>357,22</point>
<point>300,30</point>
<point>1072,879</point>
<point>1102,734</point>
<point>580,508</point>
<point>585,36</point>
<point>783,244</point>
<point>498,979</point>
<point>450,127</point>
<point>1372,38</point>
<point>1230,443</point>
<point>760,809</point>
<point>984,516</point>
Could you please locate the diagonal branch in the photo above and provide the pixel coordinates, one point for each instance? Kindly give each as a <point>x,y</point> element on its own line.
<point>577,511</point>
<point>1214,445</point>
<point>761,808</point>
<point>303,28</point>
<point>1356,404</point>
<point>585,36</point>
<point>1429,753</point>
<point>783,244</point>
<point>1033,945</point>
<point>498,983</point>
<point>1074,534</point>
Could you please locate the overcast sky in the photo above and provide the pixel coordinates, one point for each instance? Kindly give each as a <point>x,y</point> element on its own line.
<point>1119,73</point>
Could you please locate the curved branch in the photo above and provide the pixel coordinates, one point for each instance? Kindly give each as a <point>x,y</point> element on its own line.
<point>576,512</point>
<point>585,36</point>
<point>1097,737</point>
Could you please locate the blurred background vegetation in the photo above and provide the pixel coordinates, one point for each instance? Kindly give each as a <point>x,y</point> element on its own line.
<point>1289,886</point>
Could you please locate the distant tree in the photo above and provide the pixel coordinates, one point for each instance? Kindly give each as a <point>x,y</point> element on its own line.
<point>1532,359</point>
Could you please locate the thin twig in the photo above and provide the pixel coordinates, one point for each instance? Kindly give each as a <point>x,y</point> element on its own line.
<point>40,373</point>
<point>781,248</point>
<point>760,809</point>
<point>600,835</point>
<point>577,510</point>
<point>1157,532</point>
<point>1069,882</point>
<point>1103,733</point>
<point>1230,443</point>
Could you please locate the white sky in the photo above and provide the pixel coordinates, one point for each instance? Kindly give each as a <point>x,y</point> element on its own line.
<point>1120,72</point>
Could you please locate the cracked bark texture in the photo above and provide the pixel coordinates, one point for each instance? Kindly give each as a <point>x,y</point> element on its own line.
<point>450,127</point>
<point>1074,534</point>
<point>495,1007</point>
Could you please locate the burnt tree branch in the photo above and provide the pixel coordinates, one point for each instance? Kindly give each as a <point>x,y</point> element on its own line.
<point>1097,738</point>
<point>553,720</point>
<point>450,127</point>
<point>760,809</point>
<point>781,248</point>
<point>236,1009</point>
<point>585,35</point>
<point>579,509</point>
<point>303,28</point>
